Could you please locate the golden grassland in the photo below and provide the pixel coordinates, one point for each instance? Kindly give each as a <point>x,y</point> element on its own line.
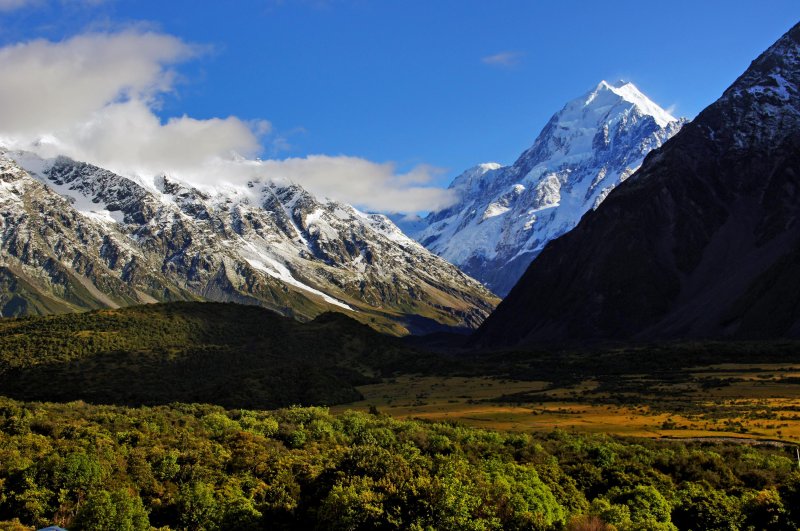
<point>750,401</point>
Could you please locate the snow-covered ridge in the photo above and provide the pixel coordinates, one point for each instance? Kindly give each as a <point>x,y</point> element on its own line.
<point>506,215</point>
<point>266,243</point>
<point>764,106</point>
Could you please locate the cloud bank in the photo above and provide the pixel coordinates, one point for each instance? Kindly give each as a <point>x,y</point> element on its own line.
<point>93,97</point>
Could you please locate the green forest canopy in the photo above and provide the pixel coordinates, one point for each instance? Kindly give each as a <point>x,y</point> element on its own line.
<point>204,467</point>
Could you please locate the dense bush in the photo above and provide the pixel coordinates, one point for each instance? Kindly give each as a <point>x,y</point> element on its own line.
<point>202,467</point>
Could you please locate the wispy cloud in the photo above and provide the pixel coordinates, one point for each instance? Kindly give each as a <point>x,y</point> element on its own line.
<point>94,97</point>
<point>673,109</point>
<point>13,5</point>
<point>508,59</point>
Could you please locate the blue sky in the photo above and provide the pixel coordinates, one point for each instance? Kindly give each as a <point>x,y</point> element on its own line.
<point>442,84</point>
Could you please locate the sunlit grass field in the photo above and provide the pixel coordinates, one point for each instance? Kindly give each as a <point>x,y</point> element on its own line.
<point>750,401</point>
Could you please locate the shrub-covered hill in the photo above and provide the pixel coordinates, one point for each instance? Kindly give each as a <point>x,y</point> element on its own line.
<point>201,467</point>
<point>227,354</point>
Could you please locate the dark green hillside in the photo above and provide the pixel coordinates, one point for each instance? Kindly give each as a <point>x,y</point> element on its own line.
<point>228,354</point>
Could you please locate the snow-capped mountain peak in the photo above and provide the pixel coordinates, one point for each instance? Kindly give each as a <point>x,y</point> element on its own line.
<point>505,215</point>
<point>628,92</point>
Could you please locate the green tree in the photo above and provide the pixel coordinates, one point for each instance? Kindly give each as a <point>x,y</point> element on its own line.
<point>648,507</point>
<point>198,506</point>
<point>765,511</point>
<point>523,501</point>
<point>30,501</point>
<point>614,514</point>
<point>352,504</point>
<point>79,473</point>
<point>119,510</point>
<point>790,497</point>
<point>700,507</point>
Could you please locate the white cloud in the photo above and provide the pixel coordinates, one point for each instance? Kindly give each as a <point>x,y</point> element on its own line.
<point>49,86</point>
<point>362,182</point>
<point>503,59</point>
<point>92,97</point>
<point>129,138</point>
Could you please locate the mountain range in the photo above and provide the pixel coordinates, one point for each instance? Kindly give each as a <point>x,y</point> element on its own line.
<point>74,236</point>
<point>505,215</point>
<point>702,242</point>
<point>629,225</point>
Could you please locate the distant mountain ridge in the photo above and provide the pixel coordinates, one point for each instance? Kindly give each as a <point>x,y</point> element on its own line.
<point>703,241</point>
<point>507,214</point>
<point>76,236</point>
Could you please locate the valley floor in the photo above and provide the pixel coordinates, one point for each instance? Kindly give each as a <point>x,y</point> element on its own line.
<point>190,437</point>
<point>735,400</point>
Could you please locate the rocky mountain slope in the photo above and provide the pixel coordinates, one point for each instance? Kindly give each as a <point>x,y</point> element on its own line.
<point>704,241</point>
<point>506,215</point>
<point>74,236</point>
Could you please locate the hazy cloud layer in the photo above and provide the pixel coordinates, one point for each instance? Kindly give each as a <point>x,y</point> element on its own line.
<point>92,97</point>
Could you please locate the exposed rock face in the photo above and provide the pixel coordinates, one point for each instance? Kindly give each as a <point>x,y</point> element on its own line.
<point>506,215</point>
<point>702,242</point>
<point>75,236</point>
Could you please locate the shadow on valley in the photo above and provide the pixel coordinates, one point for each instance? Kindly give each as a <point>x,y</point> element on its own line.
<point>226,354</point>
<point>244,356</point>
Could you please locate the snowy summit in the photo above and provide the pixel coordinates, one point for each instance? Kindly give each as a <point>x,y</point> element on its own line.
<point>506,214</point>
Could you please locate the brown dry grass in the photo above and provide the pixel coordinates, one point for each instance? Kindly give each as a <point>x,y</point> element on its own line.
<point>757,403</point>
